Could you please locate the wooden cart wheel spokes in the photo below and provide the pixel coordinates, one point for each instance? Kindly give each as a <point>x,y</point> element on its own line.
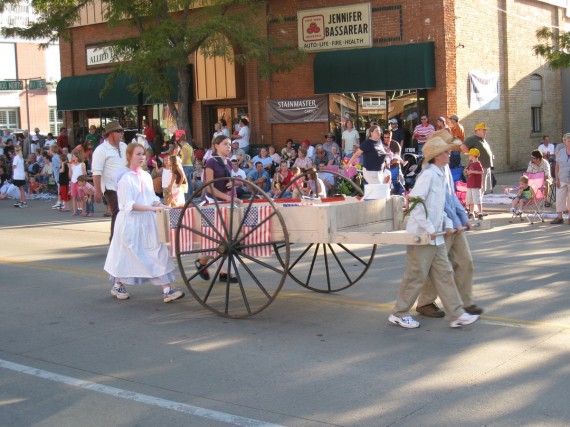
<point>329,267</point>
<point>238,238</point>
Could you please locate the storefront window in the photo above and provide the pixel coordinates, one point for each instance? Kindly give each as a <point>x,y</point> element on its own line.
<point>377,107</point>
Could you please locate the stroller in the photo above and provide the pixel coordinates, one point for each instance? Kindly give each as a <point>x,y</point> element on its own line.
<point>411,169</point>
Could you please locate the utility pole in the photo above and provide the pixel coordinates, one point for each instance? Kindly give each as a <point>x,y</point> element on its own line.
<point>33,83</point>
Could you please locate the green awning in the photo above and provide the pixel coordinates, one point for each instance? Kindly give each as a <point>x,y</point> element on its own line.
<point>83,92</point>
<point>410,66</point>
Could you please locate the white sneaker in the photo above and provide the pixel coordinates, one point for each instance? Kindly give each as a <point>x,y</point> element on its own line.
<point>56,206</point>
<point>512,210</point>
<point>172,295</point>
<point>120,292</point>
<point>405,322</point>
<point>464,319</point>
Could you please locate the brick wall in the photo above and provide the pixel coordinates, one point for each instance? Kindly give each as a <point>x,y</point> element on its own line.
<point>497,41</point>
<point>492,40</point>
<point>31,64</point>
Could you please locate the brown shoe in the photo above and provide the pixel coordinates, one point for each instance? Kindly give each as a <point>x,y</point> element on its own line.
<point>473,309</point>
<point>557,221</point>
<point>430,310</point>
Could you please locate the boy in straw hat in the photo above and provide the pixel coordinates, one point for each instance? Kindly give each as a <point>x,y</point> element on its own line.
<point>458,252</point>
<point>427,216</point>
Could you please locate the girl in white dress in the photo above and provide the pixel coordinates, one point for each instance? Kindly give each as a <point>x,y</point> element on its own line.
<point>135,255</point>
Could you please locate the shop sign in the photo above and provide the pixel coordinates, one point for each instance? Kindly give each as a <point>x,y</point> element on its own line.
<point>11,85</point>
<point>37,84</point>
<point>333,28</point>
<point>301,110</point>
<point>99,55</point>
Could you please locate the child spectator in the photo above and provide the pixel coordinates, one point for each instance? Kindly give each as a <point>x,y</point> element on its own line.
<point>197,174</point>
<point>19,176</point>
<point>88,192</point>
<point>524,194</point>
<point>33,187</point>
<point>77,169</point>
<point>56,165</point>
<point>47,171</point>
<point>63,183</point>
<point>316,186</point>
<point>166,177</point>
<point>297,186</point>
<point>177,185</point>
<point>474,173</point>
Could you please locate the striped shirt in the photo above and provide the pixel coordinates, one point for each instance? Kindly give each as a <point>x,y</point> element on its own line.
<point>422,132</point>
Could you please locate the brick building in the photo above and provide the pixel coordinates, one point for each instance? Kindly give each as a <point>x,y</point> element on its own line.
<point>24,105</point>
<point>366,61</point>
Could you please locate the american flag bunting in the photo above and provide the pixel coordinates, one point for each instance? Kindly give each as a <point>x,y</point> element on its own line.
<point>185,237</point>
<point>261,233</point>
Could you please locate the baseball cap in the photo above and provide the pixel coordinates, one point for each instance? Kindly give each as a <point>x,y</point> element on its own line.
<point>481,126</point>
<point>454,117</point>
<point>393,120</point>
<point>474,152</point>
<point>441,119</point>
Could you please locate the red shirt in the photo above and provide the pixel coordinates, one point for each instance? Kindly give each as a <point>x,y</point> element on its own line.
<point>150,134</point>
<point>62,141</point>
<point>287,178</point>
<point>474,180</point>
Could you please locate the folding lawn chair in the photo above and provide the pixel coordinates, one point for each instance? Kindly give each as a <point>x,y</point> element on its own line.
<point>461,192</point>
<point>535,206</point>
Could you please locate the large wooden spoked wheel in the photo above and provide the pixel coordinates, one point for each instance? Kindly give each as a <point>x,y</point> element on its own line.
<point>327,267</point>
<point>236,238</point>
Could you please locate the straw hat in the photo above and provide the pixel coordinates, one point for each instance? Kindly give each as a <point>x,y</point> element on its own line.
<point>112,127</point>
<point>439,142</point>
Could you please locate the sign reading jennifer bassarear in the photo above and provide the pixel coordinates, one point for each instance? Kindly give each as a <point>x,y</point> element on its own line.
<point>300,110</point>
<point>333,28</point>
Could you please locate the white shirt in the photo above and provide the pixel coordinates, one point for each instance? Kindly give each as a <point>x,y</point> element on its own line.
<point>310,151</point>
<point>107,161</point>
<point>238,174</point>
<point>18,169</point>
<point>49,142</point>
<point>430,186</point>
<point>244,137</point>
<point>350,138</point>
<point>546,149</point>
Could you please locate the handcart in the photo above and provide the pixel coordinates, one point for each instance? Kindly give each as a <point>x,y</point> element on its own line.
<point>325,245</point>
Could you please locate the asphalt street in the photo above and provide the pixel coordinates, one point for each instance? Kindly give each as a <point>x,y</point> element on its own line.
<point>71,355</point>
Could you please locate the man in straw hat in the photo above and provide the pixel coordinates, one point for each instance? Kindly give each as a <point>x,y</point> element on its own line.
<point>458,252</point>
<point>427,216</point>
<point>108,158</point>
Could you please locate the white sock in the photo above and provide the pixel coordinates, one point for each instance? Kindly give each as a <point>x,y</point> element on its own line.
<point>166,290</point>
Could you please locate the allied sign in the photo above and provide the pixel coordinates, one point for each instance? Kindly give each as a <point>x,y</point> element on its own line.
<point>302,110</point>
<point>99,55</point>
<point>37,84</point>
<point>333,28</point>
<point>11,85</point>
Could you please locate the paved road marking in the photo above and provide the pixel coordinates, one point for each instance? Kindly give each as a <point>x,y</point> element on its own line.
<point>137,397</point>
<point>334,298</point>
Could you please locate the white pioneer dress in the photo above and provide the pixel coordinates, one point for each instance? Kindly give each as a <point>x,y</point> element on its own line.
<point>135,255</point>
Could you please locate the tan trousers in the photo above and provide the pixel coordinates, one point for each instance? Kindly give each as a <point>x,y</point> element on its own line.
<point>423,262</point>
<point>462,262</point>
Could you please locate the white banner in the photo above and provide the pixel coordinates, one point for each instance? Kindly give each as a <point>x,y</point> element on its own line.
<point>334,28</point>
<point>484,91</point>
